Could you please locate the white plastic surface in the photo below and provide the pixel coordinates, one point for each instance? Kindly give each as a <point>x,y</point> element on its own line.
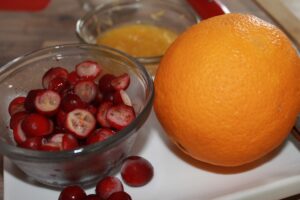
<point>178,177</point>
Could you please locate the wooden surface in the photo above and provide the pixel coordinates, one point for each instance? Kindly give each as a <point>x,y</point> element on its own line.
<point>287,14</point>
<point>23,32</point>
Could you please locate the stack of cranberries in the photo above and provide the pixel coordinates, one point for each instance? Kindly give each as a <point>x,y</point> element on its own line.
<point>74,108</point>
<point>135,171</point>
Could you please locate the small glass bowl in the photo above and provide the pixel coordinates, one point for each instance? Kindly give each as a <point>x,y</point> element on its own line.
<point>85,165</point>
<point>176,17</point>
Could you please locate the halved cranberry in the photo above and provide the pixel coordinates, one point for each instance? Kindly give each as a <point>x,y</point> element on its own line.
<point>119,116</point>
<point>108,186</point>
<point>18,133</point>
<point>121,97</point>
<point>47,102</point>
<point>104,83</point>
<point>37,125</point>
<point>73,192</point>
<point>102,112</point>
<point>136,171</point>
<point>61,119</point>
<point>99,135</point>
<point>121,82</point>
<point>59,84</point>
<point>30,98</point>
<point>65,141</point>
<point>92,109</point>
<point>49,146</point>
<point>16,105</point>
<point>15,118</point>
<point>69,142</point>
<point>108,97</point>
<point>33,143</point>
<point>71,102</point>
<point>86,90</point>
<point>73,78</point>
<point>53,73</point>
<point>121,195</point>
<point>80,122</point>
<point>88,69</point>
<point>99,98</point>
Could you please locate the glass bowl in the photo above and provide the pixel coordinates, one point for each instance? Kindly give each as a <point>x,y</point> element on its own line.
<point>173,16</point>
<point>84,165</point>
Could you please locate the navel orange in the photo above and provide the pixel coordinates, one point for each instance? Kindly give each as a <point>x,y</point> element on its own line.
<point>227,91</point>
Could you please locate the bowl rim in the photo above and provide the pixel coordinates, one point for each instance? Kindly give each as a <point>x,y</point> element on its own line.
<point>12,151</point>
<point>145,60</point>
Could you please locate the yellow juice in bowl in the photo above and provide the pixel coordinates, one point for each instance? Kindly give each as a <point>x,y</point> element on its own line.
<point>139,40</point>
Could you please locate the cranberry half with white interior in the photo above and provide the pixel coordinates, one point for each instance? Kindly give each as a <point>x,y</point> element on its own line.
<point>47,102</point>
<point>86,90</point>
<point>120,116</point>
<point>80,122</point>
<point>121,82</point>
<point>101,114</point>
<point>18,133</point>
<point>88,69</point>
<point>121,97</point>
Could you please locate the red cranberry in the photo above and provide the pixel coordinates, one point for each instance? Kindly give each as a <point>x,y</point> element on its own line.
<point>59,84</point>
<point>104,83</point>
<point>60,119</point>
<point>73,78</point>
<point>64,141</point>
<point>86,90</point>
<point>136,171</point>
<point>53,73</point>
<point>73,192</point>
<point>47,102</point>
<point>101,114</point>
<point>32,143</point>
<point>16,105</point>
<point>71,102</point>
<point>30,98</point>
<point>99,135</point>
<point>121,82</point>
<point>16,118</point>
<point>92,109</point>
<point>119,196</point>
<point>18,133</point>
<point>88,69</point>
<point>119,116</point>
<point>121,97</point>
<point>36,125</point>
<point>80,122</point>
<point>107,186</point>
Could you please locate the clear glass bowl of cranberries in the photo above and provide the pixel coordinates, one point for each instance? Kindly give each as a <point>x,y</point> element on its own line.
<point>70,114</point>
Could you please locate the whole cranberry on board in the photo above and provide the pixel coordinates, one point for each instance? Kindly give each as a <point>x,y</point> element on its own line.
<point>120,196</point>
<point>73,192</point>
<point>136,171</point>
<point>108,186</point>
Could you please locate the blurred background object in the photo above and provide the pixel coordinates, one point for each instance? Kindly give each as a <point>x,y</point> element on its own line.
<point>205,8</point>
<point>23,5</point>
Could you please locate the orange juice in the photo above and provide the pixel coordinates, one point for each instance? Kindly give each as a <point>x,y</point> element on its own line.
<point>138,40</point>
